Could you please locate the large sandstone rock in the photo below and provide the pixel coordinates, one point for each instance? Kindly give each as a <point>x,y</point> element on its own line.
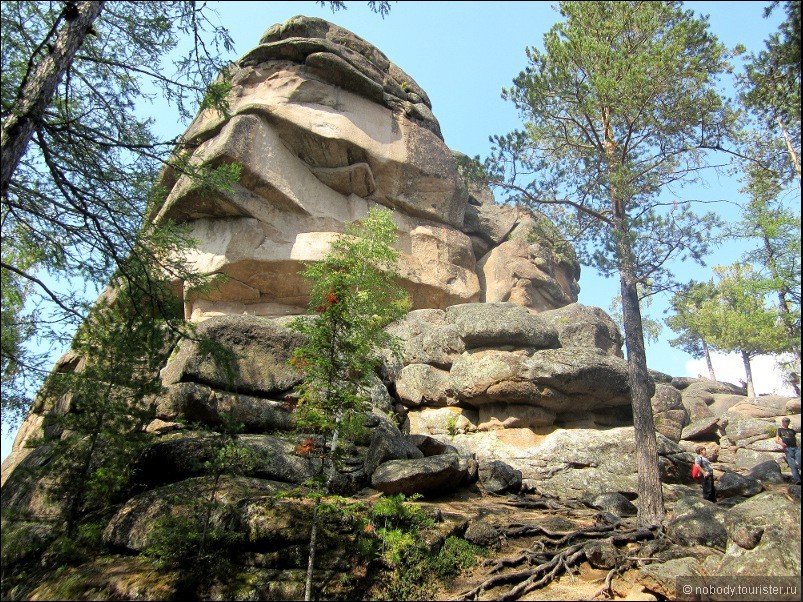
<point>575,463</point>
<point>696,521</point>
<point>579,325</point>
<point>244,354</point>
<point>324,128</point>
<point>559,380</point>
<point>434,474</point>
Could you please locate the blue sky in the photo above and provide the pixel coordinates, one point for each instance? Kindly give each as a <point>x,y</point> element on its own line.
<point>463,54</point>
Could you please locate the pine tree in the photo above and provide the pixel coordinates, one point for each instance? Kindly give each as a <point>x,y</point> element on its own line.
<point>738,319</point>
<point>354,295</point>
<point>622,103</point>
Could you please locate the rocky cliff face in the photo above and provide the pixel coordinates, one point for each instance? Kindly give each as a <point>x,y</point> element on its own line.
<point>325,127</point>
<point>505,384</point>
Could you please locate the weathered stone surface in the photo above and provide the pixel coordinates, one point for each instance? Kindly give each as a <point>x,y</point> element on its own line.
<point>246,354</point>
<point>443,421</point>
<point>573,463</point>
<point>482,533</point>
<point>701,428</point>
<point>743,431</point>
<point>527,274</point>
<point>199,403</point>
<point>732,484</point>
<point>498,477</point>
<point>427,338</point>
<point>583,326</point>
<point>559,380</point>
<point>661,578</point>
<point>490,324</point>
<point>668,412</point>
<point>133,526</point>
<point>325,127</point>
<point>424,475</point>
<point>614,502</point>
<point>602,554</point>
<point>422,384</point>
<point>429,446</point>
<point>183,455</point>
<point>487,219</point>
<point>770,523</point>
<point>767,472</point>
<point>385,447</point>
<point>509,415</point>
<point>695,521</point>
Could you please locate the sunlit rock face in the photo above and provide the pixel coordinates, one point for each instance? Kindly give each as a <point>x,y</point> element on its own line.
<point>326,127</point>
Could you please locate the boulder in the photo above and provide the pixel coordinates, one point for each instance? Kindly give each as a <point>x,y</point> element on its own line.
<point>662,578</point>
<point>766,529</point>
<point>490,324</point>
<point>530,274</point>
<point>733,484</point>
<point>429,476</point>
<point>580,325</point>
<point>602,553</point>
<point>427,338</point>
<point>133,526</point>
<point>422,384</point>
<point>243,354</point>
<point>701,429</point>
<point>498,477</point>
<point>386,446</point>
<point>743,431</point>
<point>767,472</point>
<point>482,533</point>
<point>195,402</point>
<point>443,421</point>
<point>560,380</point>
<point>325,127</point>
<point>695,521</point>
<point>429,446</point>
<point>612,502</point>
<point>179,456</point>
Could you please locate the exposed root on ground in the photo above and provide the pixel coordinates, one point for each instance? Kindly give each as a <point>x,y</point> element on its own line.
<point>552,554</point>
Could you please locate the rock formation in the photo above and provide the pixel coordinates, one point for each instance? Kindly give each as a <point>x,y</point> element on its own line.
<point>324,127</point>
<point>505,383</point>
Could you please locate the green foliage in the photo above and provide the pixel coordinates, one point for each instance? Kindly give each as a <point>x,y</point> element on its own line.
<point>196,536</point>
<point>738,317</point>
<point>652,328</point>
<point>770,86</point>
<point>685,305</point>
<point>354,296</point>
<point>544,231</point>
<point>393,535</point>
<point>621,102</point>
<point>75,204</point>
<point>455,556</point>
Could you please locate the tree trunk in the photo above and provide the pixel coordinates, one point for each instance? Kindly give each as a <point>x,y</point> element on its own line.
<point>751,390</point>
<point>708,361</point>
<point>650,496</point>
<point>313,544</point>
<point>790,147</point>
<point>37,92</point>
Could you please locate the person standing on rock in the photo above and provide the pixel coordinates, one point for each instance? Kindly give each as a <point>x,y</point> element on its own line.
<point>785,437</point>
<point>709,493</point>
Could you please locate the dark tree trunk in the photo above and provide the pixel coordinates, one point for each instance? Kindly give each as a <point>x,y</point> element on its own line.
<point>650,496</point>
<point>38,90</point>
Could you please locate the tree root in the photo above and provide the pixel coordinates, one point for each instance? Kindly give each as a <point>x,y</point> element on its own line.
<point>559,552</point>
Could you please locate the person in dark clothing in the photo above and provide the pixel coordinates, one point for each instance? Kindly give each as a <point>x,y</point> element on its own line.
<point>786,438</point>
<point>709,493</point>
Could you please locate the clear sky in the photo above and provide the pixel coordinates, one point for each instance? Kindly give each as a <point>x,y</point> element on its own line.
<point>463,54</point>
